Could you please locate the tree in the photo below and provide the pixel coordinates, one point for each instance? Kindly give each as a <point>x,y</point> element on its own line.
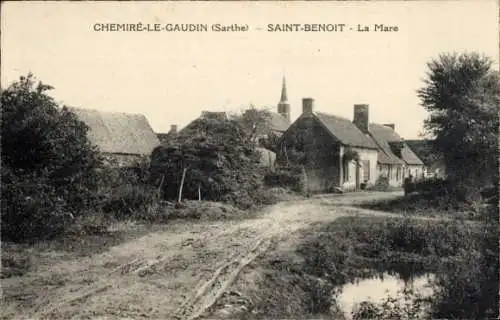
<point>48,164</point>
<point>462,95</point>
<point>255,123</point>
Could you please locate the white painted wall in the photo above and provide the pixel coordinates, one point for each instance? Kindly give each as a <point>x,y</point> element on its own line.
<point>394,180</point>
<point>364,154</point>
<point>416,171</point>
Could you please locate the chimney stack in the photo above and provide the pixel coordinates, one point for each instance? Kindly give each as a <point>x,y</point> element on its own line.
<point>173,128</point>
<point>307,105</point>
<point>390,125</point>
<point>361,119</point>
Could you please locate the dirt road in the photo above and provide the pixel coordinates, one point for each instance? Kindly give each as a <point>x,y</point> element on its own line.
<point>171,274</point>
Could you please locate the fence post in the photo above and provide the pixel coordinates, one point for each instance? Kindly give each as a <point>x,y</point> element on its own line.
<point>182,184</point>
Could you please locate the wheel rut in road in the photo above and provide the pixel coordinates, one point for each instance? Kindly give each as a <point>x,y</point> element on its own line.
<point>210,291</point>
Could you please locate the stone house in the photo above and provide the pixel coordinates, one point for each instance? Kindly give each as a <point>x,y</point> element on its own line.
<point>337,152</point>
<point>334,151</point>
<point>122,138</point>
<point>395,148</point>
<point>389,165</point>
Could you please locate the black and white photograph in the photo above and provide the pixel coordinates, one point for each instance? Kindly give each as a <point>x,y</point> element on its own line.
<point>195,160</point>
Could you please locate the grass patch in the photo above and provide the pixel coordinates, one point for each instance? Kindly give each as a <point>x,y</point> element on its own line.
<point>424,205</point>
<point>360,247</point>
<point>85,238</point>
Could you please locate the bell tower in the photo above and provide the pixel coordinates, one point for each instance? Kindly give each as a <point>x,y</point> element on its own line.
<point>283,105</point>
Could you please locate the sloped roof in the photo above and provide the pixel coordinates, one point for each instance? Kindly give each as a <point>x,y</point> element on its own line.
<point>115,132</point>
<point>383,136</point>
<point>277,122</point>
<point>345,131</point>
<point>410,157</point>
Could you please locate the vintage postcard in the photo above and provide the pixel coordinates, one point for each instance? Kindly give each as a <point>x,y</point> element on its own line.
<point>250,160</point>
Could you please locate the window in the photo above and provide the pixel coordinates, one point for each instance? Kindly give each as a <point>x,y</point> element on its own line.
<point>398,173</point>
<point>366,170</point>
<point>390,174</point>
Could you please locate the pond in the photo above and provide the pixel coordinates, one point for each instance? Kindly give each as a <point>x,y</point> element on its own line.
<point>378,289</point>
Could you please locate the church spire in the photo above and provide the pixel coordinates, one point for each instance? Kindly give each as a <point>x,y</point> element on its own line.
<point>283,105</point>
<point>284,97</point>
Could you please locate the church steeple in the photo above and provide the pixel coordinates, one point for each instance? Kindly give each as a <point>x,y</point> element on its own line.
<point>283,105</point>
<point>284,97</point>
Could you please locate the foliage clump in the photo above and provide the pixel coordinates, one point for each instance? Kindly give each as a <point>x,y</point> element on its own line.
<point>462,95</point>
<point>48,164</point>
<point>218,161</point>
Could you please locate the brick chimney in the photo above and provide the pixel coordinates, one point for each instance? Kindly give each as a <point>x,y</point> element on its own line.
<point>390,125</point>
<point>307,105</point>
<point>361,119</point>
<point>173,128</point>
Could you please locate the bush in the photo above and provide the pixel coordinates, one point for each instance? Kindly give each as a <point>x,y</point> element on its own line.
<point>407,305</point>
<point>48,164</point>
<point>126,192</point>
<point>319,293</point>
<point>433,186</point>
<point>285,178</point>
<point>130,199</point>
<point>218,160</point>
<point>31,208</point>
<point>467,286</point>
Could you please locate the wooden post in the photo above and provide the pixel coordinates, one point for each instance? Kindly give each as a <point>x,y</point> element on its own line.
<point>199,192</point>
<point>161,185</point>
<point>182,184</point>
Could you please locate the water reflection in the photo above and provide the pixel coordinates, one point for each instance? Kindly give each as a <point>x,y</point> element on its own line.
<point>378,289</point>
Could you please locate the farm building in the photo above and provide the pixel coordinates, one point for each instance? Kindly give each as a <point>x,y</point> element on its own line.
<point>122,138</point>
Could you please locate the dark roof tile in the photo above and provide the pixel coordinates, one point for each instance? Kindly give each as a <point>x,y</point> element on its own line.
<point>384,136</point>
<point>345,131</point>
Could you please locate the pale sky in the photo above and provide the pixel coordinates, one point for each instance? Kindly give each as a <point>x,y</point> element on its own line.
<point>170,77</point>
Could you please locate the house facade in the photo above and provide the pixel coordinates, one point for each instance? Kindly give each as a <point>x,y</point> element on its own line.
<point>390,166</point>
<point>123,139</point>
<point>337,152</point>
<point>334,152</point>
